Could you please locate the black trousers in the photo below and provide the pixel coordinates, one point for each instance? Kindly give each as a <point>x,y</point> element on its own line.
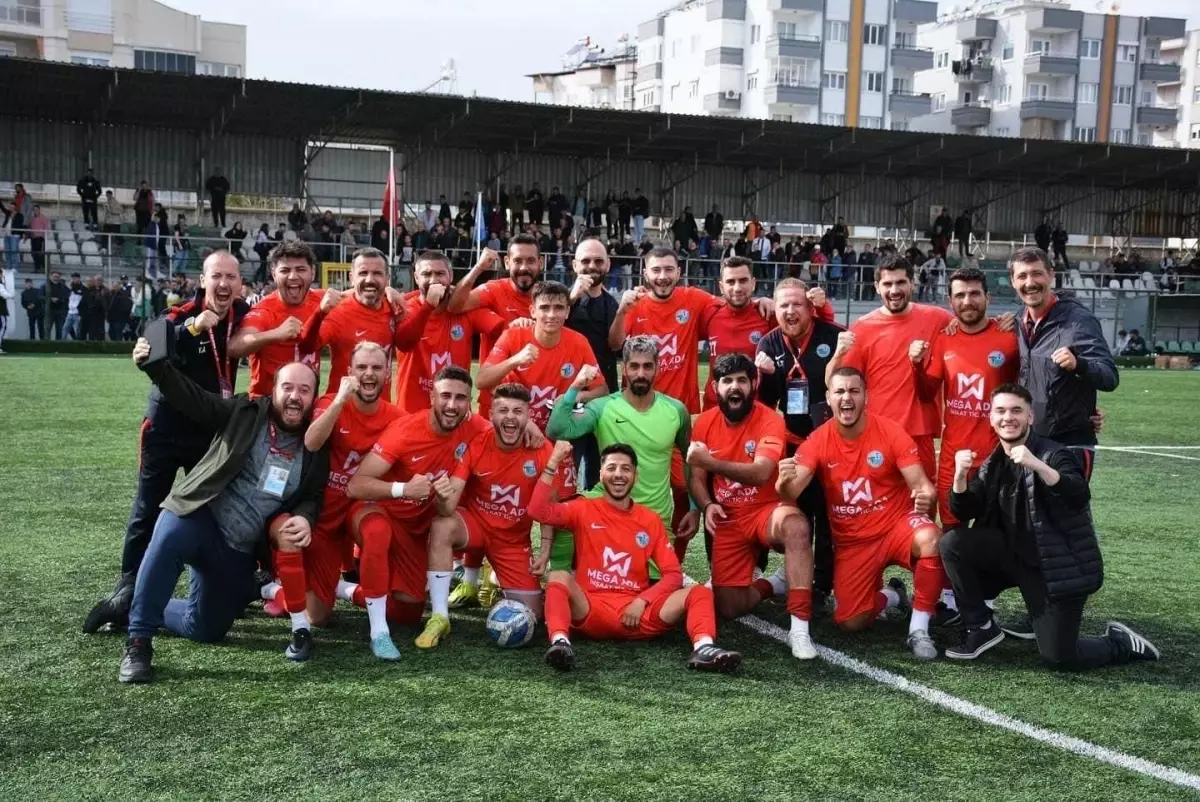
<point>58,320</point>
<point>218,210</point>
<point>161,453</point>
<point>587,462</point>
<point>143,220</point>
<point>1061,250</point>
<point>980,565</point>
<point>89,212</point>
<point>37,248</point>
<point>36,323</point>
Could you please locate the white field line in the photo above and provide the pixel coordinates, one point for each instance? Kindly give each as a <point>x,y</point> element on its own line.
<point>1151,448</point>
<point>1129,450</point>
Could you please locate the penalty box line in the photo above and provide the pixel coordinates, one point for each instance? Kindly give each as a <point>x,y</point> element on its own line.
<point>1158,451</point>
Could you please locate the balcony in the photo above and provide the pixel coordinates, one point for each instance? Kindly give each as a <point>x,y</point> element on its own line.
<point>1165,27</point>
<point>971,115</point>
<point>1046,64</point>
<point>13,12</point>
<point>650,72</point>
<point>723,101</point>
<point>724,55</point>
<point>915,11</point>
<point>976,30</point>
<point>909,104</point>
<point>793,92</point>
<point>1054,20</point>
<point>726,9</point>
<point>1159,72</point>
<point>799,46</point>
<point>905,57</point>
<point>970,72</point>
<point>1157,116</point>
<point>1059,109</point>
<point>798,6</point>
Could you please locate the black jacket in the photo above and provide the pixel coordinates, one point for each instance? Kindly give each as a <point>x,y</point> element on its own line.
<point>772,388</point>
<point>217,186</point>
<point>962,227</point>
<point>641,206</point>
<point>32,300</point>
<point>88,188</point>
<point>1063,402</point>
<point>1058,517</point>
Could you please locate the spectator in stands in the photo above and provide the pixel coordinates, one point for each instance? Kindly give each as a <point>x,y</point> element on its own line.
<point>625,214</point>
<point>92,310</point>
<point>279,234</point>
<point>535,204</point>
<point>1043,234</point>
<point>465,219</point>
<point>714,223</point>
<point>181,243</point>
<point>113,212</point>
<point>88,190</point>
<point>516,209</point>
<point>335,228</point>
<point>262,247</point>
<point>143,206</point>
<point>6,297</point>
<point>931,269</point>
<point>612,215</point>
<point>684,228</point>
<point>866,273</point>
<point>236,237</point>
<point>164,228</point>
<point>22,208</point>
<point>1136,346</point>
<point>297,218</point>
<point>557,206</point>
<point>142,306</point>
<point>408,252</point>
<point>120,311</point>
<point>1122,341</point>
<point>1058,241</point>
<point>836,269</point>
<point>60,297</point>
<point>494,243</point>
<point>444,212</point>
<point>579,206</point>
<point>32,301</point>
<point>150,247</point>
<point>349,242</point>
<point>943,228</point>
<point>39,227</point>
<point>380,231</point>
<point>1170,279</point>
<point>74,302</point>
<point>962,233</point>
<point>217,187</point>
<point>641,210</point>
<point>839,236</point>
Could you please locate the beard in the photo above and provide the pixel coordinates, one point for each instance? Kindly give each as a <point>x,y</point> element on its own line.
<point>735,407</point>
<point>277,416</point>
<point>640,387</point>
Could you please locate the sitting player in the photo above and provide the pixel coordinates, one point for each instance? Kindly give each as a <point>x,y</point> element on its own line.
<point>610,597</point>
<point>737,445</point>
<point>482,507</point>
<point>879,502</point>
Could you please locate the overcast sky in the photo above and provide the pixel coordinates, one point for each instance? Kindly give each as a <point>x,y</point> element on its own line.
<point>401,44</point>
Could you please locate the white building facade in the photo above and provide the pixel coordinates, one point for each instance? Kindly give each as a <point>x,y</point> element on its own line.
<point>135,34</point>
<point>834,62</point>
<point>1184,93</point>
<point>1042,70</point>
<point>592,78</point>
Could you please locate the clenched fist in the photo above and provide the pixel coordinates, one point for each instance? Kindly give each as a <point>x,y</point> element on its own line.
<point>816,296</point>
<point>963,460</point>
<point>290,328</point>
<point>331,299</point>
<point>583,283</point>
<point>487,258</point>
<point>586,375</point>
<point>562,450</point>
<point>1065,359</point>
<point>442,487</point>
<point>1022,456</point>
<point>764,363</point>
<point>630,297</point>
<point>418,488</point>
<point>917,350</point>
<point>924,500</point>
<point>845,342</point>
<point>698,455</point>
<point>527,356</point>
<point>787,469</point>
<point>348,387</point>
<point>141,351</point>
<point>435,294</point>
<point>205,321</point>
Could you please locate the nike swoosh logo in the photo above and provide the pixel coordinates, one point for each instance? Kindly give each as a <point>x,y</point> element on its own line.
<point>641,320</point>
<point>831,465</point>
<point>416,459</point>
<point>343,431</point>
<point>360,333</point>
<point>597,526</point>
<point>619,420</point>
<point>484,473</point>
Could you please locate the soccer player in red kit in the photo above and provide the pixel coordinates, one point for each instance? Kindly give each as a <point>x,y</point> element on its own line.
<point>342,322</point>
<point>350,421</point>
<point>967,366</point>
<point>879,503</point>
<point>610,596</point>
<point>483,505</point>
<point>397,480</point>
<point>737,446</point>
<point>737,326</point>
<point>447,337</point>
<point>545,358</point>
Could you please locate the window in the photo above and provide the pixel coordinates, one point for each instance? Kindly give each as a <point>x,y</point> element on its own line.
<point>1195,132</point>
<point>752,80</point>
<point>694,88</point>
<point>1127,52</point>
<point>939,101</point>
<point>695,42</point>
<point>901,86</point>
<point>1088,93</point>
<point>874,34</point>
<point>1006,94</point>
<point>8,49</point>
<point>1089,48</point>
<point>212,68</point>
<point>840,119</point>
<point>905,40</point>
<point>900,125</point>
<point>781,118</point>
<point>1123,96</point>
<point>1085,135</point>
<point>160,61</point>
<point>874,81</point>
<point>1003,130</point>
<point>1143,138</point>
<point>785,30</point>
<point>90,59</point>
<point>834,80</point>
<point>755,33</point>
<point>1152,53</point>
<point>1196,94</point>
<point>628,93</point>
<point>674,48</point>
<point>1041,46</point>
<point>674,91</point>
<point>1147,98</point>
<point>1037,91</point>
<point>1119,136</point>
<point>870,122</point>
<point>941,60</point>
<point>796,72</point>
<point>1007,53</point>
<point>836,31</point>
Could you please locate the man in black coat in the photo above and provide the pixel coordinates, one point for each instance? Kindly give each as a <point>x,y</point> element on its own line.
<point>33,302</point>
<point>1032,530</point>
<point>89,191</point>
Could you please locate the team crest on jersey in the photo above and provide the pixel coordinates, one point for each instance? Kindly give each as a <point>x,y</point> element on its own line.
<point>529,469</point>
<point>996,359</point>
<point>875,459</point>
<point>682,316</point>
<point>751,446</point>
<point>642,539</point>
<point>755,337</point>
<point>459,450</point>
<point>823,350</point>
<point>568,370</point>
<point>456,332</point>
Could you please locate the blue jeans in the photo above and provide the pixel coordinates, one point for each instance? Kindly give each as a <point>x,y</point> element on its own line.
<point>12,252</point>
<point>222,580</point>
<point>72,328</point>
<point>639,228</point>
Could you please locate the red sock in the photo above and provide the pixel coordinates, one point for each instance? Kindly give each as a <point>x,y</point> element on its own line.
<point>558,609</point>
<point>701,615</point>
<point>289,570</point>
<point>404,612</point>
<point>799,603</point>
<point>928,579</point>
<point>881,603</point>
<point>358,598</point>
<point>373,568</point>
<point>472,558</point>
<point>680,547</point>
<point>764,588</point>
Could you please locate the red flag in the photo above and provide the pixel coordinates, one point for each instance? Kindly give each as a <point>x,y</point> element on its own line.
<point>389,198</point>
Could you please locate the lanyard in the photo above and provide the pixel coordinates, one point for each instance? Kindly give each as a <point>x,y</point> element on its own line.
<point>798,352</point>
<point>274,448</point>
<point>222,363</point>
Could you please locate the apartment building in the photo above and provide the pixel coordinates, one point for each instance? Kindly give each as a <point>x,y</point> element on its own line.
<point>1042,70</point>
<point>591,76</point>
<point>835,62</point>
<point>137,34</point>
<point>1184,92</point>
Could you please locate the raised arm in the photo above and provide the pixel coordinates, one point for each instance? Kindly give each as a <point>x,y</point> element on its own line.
<point>564,424</point>
<point>616,332</point>
<point>793,477</point>
<point>325,419</point>
<point>207,409</point>
<point>542,506</point>
<point>466,296</point>
<point>924,494</point>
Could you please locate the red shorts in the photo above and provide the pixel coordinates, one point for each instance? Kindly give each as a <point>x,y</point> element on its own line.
<point>945,480</point>
<point>603,620</point>
<point>408,556</point>
<point>926,452</point>
<point>324,557</point>
<point>508,553</point>
<point>858,567</point>
<point>737,544</point>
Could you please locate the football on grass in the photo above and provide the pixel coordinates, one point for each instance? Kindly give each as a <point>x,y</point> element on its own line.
<point>511,624</point>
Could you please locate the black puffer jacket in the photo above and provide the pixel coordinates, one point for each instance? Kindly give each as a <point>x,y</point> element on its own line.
<point>1059,517</point>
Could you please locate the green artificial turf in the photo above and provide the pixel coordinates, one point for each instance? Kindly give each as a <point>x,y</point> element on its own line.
<point>470,721</point>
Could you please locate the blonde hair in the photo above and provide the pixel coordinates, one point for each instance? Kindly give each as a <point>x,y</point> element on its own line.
<point>791,284</point>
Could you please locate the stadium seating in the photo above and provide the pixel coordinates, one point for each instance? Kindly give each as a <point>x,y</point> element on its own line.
<point>1173,347</point>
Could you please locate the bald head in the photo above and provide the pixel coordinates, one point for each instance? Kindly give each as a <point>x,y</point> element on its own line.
<point>292,399</point>
<point>591,259</point>
<point>222,281</point>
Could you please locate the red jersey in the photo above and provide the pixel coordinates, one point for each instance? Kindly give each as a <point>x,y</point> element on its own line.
<point>500,483</point>
<point>445,340</point>
<point>411,446</point>
<point>762,433</point>
<point>345,326</point>
<point>970,367</point>
<point>731,330</point>
<point>268,314</point>
<point>864,490</point>
<point>500,297</point>
<point>881,353</point>
<point>677,325</point>
<point>351,440</point>
<point>551,375</point>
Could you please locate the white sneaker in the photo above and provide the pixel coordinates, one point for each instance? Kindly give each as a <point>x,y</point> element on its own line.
<point>802,646</point>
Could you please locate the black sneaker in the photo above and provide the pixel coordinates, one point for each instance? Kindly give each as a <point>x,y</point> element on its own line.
<point>820,603</point>
<point>1020,627</point>
<point>905,606</point>
<point>711,657</point>
<point>262,577</point>
<point>946,616</point>
<point>560,655</point>
<point>113,611</point>
<point>135,663</point>
<point>1139,647</point>
<point>977,641</point>
<point>300,649</point>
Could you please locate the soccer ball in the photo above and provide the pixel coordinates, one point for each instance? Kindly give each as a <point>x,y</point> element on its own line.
<point>511,624</point>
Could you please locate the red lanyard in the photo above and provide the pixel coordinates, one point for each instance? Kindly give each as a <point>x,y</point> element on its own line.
<point>798,352</point>
<point>223,364</point>
<point>274,448</point>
